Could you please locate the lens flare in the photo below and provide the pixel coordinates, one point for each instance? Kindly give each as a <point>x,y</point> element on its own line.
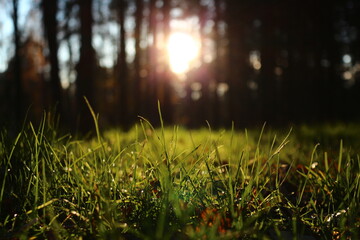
<point>182,49</point>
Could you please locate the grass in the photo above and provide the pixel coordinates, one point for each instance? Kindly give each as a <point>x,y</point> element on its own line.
<point>174,183</point>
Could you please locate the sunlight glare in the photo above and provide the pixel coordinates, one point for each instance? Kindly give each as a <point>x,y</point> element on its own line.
<point>182,50</point>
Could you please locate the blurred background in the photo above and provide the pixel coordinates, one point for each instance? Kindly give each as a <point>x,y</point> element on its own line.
<point>247,61</point>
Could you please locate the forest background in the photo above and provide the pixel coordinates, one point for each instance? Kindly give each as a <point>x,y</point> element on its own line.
<point>275,61</point>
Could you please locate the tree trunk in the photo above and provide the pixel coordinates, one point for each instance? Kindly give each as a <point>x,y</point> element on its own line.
<point>268,85</point>
<point>122,69</point>
<point>217,67</point>
<point>50,25</point>
<point>238,91</point>
<point>152,65</point>
<point>17,68</point>
<point>85,67</point>
<point>331,94</point>
<point>165,92</point>
<point>138,96</point>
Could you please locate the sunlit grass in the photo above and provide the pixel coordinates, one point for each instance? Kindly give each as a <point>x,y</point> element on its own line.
<point>174,183</point>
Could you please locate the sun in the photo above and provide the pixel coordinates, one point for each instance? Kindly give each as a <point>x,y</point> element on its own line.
<point>182,50</point>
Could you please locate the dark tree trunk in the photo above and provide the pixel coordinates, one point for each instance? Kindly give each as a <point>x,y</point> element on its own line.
<point>138,96</point>
<point>165,85</point>
<point>331,94</point>
<point>201,107</point>
<point>315,43</point>
<point>238,91</point>
<point>297,63</point>
<point>268,84</point>
<point>153,62</point>
<point>17,69</point>
<point>355,99</point>
<point>50,25</point>
<point>122,69</point>
<point>85,68</point>
<point>217,67</point>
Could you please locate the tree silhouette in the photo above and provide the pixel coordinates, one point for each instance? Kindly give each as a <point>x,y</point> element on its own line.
<point>153,61</point>
<point>138,96</point>
<point>237,20</point>
<point>85,67</point>
<point>18,93</point>
<point>121,71</point>
<point>49,9</point>
<point>165,90</point>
